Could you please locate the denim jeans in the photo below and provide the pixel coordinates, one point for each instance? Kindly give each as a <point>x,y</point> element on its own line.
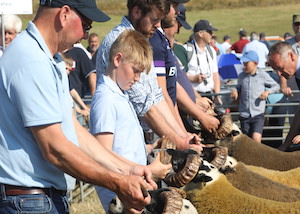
<point>26,204</point>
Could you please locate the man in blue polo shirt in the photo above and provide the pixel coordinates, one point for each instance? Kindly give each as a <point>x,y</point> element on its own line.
<point>41,142</point>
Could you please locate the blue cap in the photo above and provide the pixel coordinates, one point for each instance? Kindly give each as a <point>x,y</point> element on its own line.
<point>249,56</point>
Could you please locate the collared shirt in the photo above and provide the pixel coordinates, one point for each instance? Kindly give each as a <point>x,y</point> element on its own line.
<point>164,61</point>
<point>294,44</point>
<point>112,112</point>
<point>202,62</point>
<point>143,94</point>
<point>250,87</point>
<point>103,51</point>
<point>292,81</point>
<point>34,91</point>
<point>261,49</point>
<point>298,68</point>
<point>1,50</point>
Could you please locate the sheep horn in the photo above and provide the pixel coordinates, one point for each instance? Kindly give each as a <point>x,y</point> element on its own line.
<point>225,127</point>
<point>173,202</point>
<point>215,155</point>
<point>165,144</point>
<point>185,175</point>
<point>221,156</point>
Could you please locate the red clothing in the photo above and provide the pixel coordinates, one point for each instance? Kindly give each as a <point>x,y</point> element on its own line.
<point>239,45</point>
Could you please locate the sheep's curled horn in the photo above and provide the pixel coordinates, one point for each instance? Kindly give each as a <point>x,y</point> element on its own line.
<point>216,155</point>
<point>166,143</point>
<point>185,165</point>
<point>223,130</point>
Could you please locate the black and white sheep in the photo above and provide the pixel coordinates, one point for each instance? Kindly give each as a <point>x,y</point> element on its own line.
<point>163,201</point>
<point>246,150</point>
<point>255,184</point>
<point>217,195</point>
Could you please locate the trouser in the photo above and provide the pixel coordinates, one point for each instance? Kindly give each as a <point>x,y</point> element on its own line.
<point>51,201</point>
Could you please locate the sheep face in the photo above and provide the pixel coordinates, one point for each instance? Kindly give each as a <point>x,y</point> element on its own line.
<point>207,173</point>
<point>229,165</point>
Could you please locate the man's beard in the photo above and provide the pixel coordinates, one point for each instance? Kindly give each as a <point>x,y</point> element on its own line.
<point>147,34</point>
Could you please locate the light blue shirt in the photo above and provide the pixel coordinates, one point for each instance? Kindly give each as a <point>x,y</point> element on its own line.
<point>298,68</point>
<point>143,94</point>
<point>250,87</point>
<point>34,91</point>
<point>112,112</point>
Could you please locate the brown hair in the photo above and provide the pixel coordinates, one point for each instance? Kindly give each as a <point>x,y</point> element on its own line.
<point>148,5</point>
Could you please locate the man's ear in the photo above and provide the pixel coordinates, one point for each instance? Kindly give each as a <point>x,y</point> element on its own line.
<point>64,15</point>
<point>117,59</point>
<point>292,56</point>
<point>136,12</point>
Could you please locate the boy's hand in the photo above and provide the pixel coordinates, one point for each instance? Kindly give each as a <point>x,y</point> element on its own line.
<point>234,94</point>
<point>264,95</point>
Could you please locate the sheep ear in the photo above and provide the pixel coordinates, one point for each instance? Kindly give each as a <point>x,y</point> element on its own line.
<point>202,178</point>
<point>171,152</point>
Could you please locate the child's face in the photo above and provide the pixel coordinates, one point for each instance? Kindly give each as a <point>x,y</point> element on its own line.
<point>127,75</point>
<point>250,67</point>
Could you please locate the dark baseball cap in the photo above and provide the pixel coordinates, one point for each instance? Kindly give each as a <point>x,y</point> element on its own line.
<point>181,18</point>
<point>203,25</point>
<point>180,1</point>
<point>88,8</point>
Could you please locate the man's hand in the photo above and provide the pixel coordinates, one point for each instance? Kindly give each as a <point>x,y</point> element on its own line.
<point>129,190</point>
<point>287,91</point>
<point>296,139</point>
<point>144,171</point>
<point>198,78</point>
<point>204,103</point>
<point>234,94</point>
<point>264,95</point>
<point>210,123</point>
<point>218,100</point>
<point>158,169</point>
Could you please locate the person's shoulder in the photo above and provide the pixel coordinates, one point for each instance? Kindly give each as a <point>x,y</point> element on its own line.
<point>291,41</point>
<point>157,38</point>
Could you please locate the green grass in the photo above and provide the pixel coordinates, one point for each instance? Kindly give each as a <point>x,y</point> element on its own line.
<point>273,20</point>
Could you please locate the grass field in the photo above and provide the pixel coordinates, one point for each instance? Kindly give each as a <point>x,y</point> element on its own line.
<point>273,20</point>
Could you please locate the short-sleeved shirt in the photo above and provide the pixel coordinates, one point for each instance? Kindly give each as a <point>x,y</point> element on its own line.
<point>164,61</point>
<point>34,91</point>
<point>250,87</point>
<point>239,45</point>
<point>112,112</point>
<point>83,68</point>
<point>203,62</point>
<point>142,94</point>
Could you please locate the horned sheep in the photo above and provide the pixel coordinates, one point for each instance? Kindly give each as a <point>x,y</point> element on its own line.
<point>217,195</point>
<point>163,201</point>
<point>246,150</point>
<point>290,177</point>
<point>255,184</point>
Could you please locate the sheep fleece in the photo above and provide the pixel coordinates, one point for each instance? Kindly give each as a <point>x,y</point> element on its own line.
<point>246,150</point>
<point>260,186</point>
<point>290,177</point>
<point>222,197</point>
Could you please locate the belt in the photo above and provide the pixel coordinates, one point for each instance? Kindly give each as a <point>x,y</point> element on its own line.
<point>18,190</point>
